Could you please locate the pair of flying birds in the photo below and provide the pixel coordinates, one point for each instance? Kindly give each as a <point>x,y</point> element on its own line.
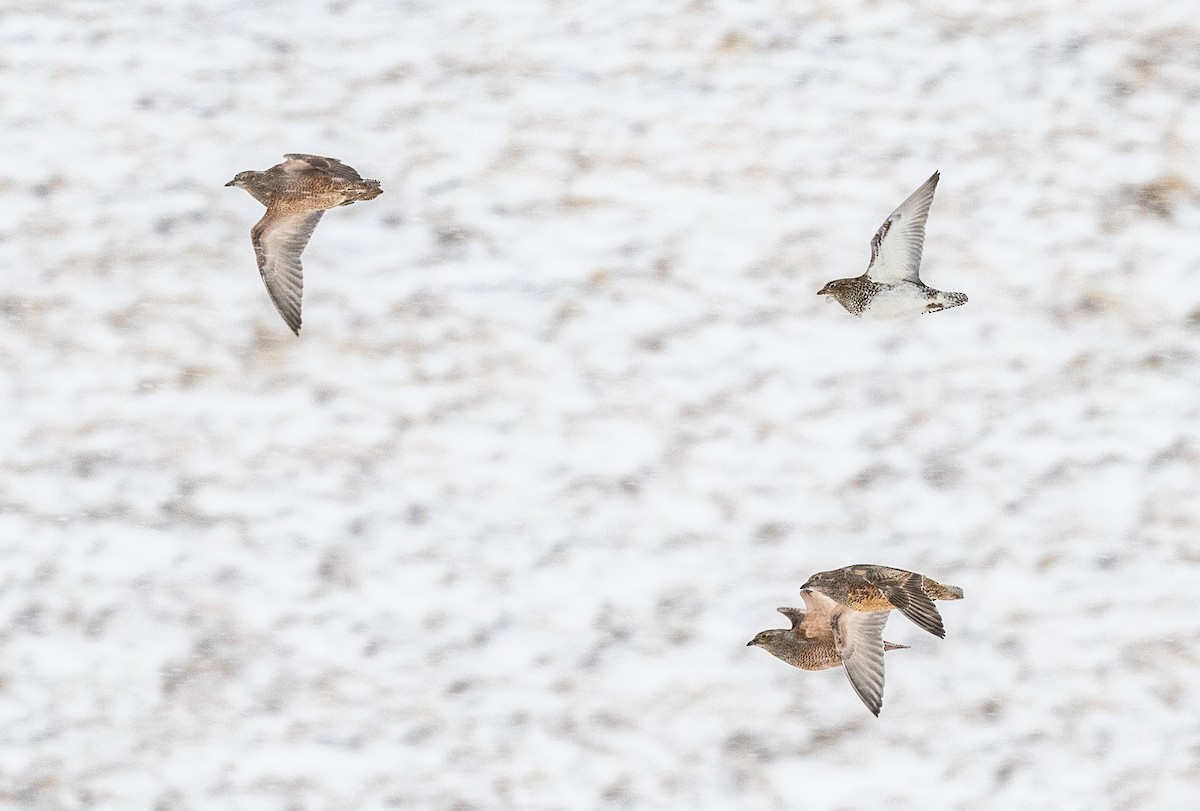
<point>843,618</point>
<point>299,190</point>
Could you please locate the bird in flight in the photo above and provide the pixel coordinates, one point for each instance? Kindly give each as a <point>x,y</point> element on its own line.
<point>843,618</point>
<point>827,634</point>
<point>891,287</point>
<point>296,194</point>
<point>878,589</point>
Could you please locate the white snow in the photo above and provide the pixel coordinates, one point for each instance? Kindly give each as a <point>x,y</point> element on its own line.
<point>567,421</point>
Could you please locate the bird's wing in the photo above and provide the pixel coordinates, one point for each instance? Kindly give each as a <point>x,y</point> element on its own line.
<point>818,607</point>
<point>859,639</point>
<point>896,248</point>
<point>279,239</point>
<point>794,615</point>
<point>903,590</point>
<point>331,166</point>
<point>818,616</point>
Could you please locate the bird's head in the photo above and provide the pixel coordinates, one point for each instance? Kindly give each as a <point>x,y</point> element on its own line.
<point>835,288</point>
<point>768,639</point>
<point>241,179</point>
<point>815,581</point>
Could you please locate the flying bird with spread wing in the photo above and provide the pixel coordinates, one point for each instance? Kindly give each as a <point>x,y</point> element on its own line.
<point>891,287</point>
<point>872,588</point>
<point>825,634</point>
<point>842,622</point>
<point>296,193</point>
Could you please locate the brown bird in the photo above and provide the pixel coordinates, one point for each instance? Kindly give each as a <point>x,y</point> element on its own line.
<point>827,635</point>
<point>891,287</point>
<point>296,194</point>
<point>870,588</point>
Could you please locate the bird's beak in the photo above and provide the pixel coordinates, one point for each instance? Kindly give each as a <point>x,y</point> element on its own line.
<point>230,183</point>
<point>750,644</point>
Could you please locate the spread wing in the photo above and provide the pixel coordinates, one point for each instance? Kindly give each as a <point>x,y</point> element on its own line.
<point>331,166</point>
<point>907,595</point>
<point>816,621</point>
<point>859,639</point>
<point>279,239</point>
<point>818,607</point>
<point>794,615</point>
<point>896,248</point>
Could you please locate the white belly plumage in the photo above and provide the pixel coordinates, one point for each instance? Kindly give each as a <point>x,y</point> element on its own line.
<point>907,300</point>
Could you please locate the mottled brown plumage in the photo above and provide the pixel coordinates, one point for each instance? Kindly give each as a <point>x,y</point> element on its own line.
<point>870,588</point>
<point>296,193</point>
<point>826,635</point>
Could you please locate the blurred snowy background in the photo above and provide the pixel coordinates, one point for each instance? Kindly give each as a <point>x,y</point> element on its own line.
<point>567,420</point>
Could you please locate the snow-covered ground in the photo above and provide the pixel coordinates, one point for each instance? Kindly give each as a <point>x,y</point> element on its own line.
<point>567,422</point>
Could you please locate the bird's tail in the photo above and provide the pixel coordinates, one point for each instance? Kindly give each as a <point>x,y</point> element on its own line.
<point>369,190</point>
<point>360,190</point>
<point>938,591</point>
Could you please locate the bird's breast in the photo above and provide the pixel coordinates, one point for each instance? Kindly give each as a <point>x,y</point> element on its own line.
<point>899,300</point>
